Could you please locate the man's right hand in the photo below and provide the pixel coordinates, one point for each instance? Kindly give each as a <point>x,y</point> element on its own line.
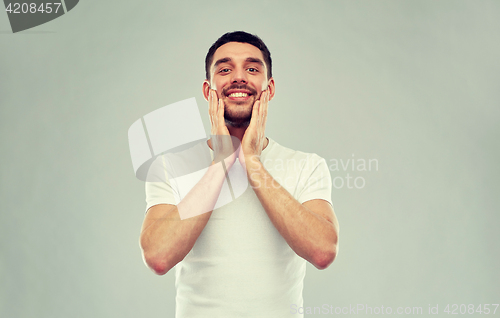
<point>166,235</point>
<point>223,144</point>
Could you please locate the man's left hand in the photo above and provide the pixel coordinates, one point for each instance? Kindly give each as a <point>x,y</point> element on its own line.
<point>254,138</point>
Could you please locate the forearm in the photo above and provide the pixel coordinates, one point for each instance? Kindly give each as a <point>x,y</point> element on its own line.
<point>166,238</point>
<point>309,234</point>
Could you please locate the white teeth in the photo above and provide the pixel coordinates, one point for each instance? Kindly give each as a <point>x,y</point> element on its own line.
<point>238,95</point>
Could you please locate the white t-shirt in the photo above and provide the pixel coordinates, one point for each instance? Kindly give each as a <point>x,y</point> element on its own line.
<point>240,266</point>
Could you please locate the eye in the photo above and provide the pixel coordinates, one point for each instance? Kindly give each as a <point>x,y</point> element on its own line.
<point>224,70</point>
<point>251,69</point>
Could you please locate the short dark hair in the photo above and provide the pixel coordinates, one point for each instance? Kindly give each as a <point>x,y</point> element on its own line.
<point>242,37</point>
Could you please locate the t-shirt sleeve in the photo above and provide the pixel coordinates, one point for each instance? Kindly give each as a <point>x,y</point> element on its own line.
<point>316,182</point>
<point>159,189</point>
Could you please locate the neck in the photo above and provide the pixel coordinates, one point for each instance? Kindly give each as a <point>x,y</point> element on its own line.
<point>237,132</point>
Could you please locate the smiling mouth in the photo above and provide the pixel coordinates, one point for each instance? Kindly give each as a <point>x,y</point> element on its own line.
<point>238,95</point>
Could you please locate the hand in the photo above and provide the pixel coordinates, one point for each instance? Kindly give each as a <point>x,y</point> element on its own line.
<point>254,139</point>
<point>222,141</point>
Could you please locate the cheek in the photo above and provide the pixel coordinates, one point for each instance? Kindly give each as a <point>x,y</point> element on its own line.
<point>264,85</point>
<point>217,86</point>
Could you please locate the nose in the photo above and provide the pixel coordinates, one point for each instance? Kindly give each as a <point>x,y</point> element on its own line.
<point>239,76</point>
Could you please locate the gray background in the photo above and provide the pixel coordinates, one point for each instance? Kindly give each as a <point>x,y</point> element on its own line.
<point>413,84</point>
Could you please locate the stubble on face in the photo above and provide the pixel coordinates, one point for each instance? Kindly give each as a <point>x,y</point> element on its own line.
<point>238,114</point>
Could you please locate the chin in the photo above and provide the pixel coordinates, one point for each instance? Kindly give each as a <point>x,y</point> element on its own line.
<point>240,123</point>
<point>248,103</point>
<point>238,120</point>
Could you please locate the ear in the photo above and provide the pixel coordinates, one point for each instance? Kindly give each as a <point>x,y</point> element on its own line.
<point>271,88</point>
<point>206,89</point>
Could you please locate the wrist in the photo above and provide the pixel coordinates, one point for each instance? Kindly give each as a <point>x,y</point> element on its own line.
<point>253,163</point>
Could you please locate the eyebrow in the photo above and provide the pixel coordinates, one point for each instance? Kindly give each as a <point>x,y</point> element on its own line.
<point>249,60</point>
<point>223,60</point>
<point>255,60</point>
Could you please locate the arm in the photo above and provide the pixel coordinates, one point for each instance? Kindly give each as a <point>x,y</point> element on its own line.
<point>166,238</point>
<point>310,229</point>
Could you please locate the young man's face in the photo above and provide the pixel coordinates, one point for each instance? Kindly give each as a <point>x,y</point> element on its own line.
<point>239,75</point>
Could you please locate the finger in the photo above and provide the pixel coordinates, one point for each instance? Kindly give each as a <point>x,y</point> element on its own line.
<point>220,113</point>
<point>210,103</point>
<point>263,114</point>
<point>216,108</point>
<point>262,102</point>
<point>212,108</point>
<point>255,113</point>
<point>264,107</point>
<point>213,102</point>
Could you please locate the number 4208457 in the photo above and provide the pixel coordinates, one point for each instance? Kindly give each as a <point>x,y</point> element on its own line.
<point>470,309</point>
<point>33,8</point>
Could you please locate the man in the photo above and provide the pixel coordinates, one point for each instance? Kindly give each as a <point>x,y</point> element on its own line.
<point>247,258</point>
